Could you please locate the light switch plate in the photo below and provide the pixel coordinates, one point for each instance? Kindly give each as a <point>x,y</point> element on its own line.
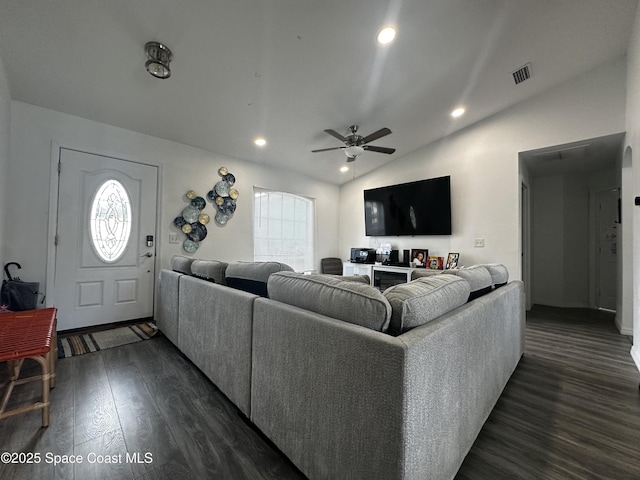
<point>174,238</point>
<point>479,242</point>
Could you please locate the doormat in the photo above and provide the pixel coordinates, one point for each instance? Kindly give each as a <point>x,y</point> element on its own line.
<point>115,337</point>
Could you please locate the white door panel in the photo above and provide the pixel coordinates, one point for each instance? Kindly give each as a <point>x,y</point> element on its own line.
<point>92,288</point>
<point>607,249</point>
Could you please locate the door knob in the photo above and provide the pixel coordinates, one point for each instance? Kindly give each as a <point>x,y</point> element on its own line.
<point>148,254</point>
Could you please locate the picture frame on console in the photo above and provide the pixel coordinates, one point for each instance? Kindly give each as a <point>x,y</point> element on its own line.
<point>452,260</point>
<point>435,263</point>
<point>419,257</point>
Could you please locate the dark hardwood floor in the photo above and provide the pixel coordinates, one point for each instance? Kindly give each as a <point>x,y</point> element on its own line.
<point>571,410</point>
<point>144,399</point>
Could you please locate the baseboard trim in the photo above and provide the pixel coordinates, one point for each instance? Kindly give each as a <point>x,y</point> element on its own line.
<point>635,354</point>
<point>622,330</point>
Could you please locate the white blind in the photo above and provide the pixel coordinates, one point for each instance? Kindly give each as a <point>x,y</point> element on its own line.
<point>283,229</point>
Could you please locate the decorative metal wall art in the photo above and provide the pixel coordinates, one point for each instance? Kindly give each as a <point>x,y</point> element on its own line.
<point>192,220</point>
<point>224,196</point>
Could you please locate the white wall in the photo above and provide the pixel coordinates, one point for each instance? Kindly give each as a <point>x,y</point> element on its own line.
<point>5,122</point>
<point>483,163</point>
<point>562,237</point>
<point>33,129</point>
<point>624,307</point>
<point>632,151</point>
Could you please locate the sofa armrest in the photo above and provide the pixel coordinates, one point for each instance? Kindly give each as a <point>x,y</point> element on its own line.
<point>456,369</point>
<point>167,317</point>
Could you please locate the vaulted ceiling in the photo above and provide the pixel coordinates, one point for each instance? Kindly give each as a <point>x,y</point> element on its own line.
<point>288,69</point>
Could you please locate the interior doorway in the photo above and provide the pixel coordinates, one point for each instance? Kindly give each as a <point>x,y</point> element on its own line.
<point>565,236</point>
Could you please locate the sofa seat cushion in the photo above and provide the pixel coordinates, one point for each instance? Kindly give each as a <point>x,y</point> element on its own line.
<point>349,301</point>
<point>210,270</point>
<point>425,299</point>
<point>252,276</point>
<point>478,277</point>
<point>499,274</point>
<point>182,264</point>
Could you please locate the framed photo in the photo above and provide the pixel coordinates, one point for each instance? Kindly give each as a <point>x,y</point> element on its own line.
<point>419,257</point>
<point>452,260</point>
<point>435,263</point>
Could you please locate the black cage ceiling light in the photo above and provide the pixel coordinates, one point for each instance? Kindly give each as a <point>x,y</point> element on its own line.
<point>158,56</point>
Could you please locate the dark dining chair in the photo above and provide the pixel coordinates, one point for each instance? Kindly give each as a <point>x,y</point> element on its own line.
<point>331,265</point>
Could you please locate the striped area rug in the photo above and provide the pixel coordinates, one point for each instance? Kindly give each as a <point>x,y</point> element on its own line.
<point>92,342</point>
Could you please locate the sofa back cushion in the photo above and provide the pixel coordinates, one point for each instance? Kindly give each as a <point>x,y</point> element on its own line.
<point>210,270</point>
<point>424,272</point>
<point>252,276</point>
<point>425,299</point>
<point>478,277</point>
<point>499,274</point>
<point>182,264</point>
<point>349,301</point>
<point>356,278</point>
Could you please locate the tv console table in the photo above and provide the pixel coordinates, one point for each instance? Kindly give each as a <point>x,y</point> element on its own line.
<point>382,276</point>
<point>385,276</point>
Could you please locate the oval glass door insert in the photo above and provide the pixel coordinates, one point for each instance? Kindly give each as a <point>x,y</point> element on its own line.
<point>110,221</point>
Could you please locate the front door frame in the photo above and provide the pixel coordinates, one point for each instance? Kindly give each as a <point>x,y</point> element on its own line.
<point>54,187</point>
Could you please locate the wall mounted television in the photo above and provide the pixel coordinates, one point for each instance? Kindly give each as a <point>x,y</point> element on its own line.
<point>414,208</point>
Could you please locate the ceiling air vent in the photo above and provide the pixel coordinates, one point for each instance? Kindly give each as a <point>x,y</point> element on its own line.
<point>522,74</point>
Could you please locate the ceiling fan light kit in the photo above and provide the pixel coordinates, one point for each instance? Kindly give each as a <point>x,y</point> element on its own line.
<point>353,151</point>
<point>158,58</point>
<point>356,145</point>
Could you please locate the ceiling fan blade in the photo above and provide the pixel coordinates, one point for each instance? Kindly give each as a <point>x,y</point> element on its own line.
<point>373,148</point>
<point>350,159</point>
<point>333,133</point>
<point>326,149</point>
<point>376,135</point>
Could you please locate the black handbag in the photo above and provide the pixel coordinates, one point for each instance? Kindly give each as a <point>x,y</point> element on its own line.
<point>17,295</point>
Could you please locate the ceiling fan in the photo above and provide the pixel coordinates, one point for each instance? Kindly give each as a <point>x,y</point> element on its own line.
<point>356,144</point>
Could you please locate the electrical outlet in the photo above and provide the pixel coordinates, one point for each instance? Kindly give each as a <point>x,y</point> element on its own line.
<point>174,238</point>
<point>478,242</point>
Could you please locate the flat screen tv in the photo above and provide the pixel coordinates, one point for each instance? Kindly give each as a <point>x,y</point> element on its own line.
<point>415,208</point>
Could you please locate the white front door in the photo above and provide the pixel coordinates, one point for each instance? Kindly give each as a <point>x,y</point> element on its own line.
<point>607,280</point>
<point>104,270</point>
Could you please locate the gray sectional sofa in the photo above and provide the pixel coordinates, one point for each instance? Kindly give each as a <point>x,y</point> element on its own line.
<point>347,381</point>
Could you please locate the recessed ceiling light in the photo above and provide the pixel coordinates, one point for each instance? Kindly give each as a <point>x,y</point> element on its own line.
<point>386,35</point>
<point>261,142</point>
<point>344,169</point>
<point>458,112</point>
